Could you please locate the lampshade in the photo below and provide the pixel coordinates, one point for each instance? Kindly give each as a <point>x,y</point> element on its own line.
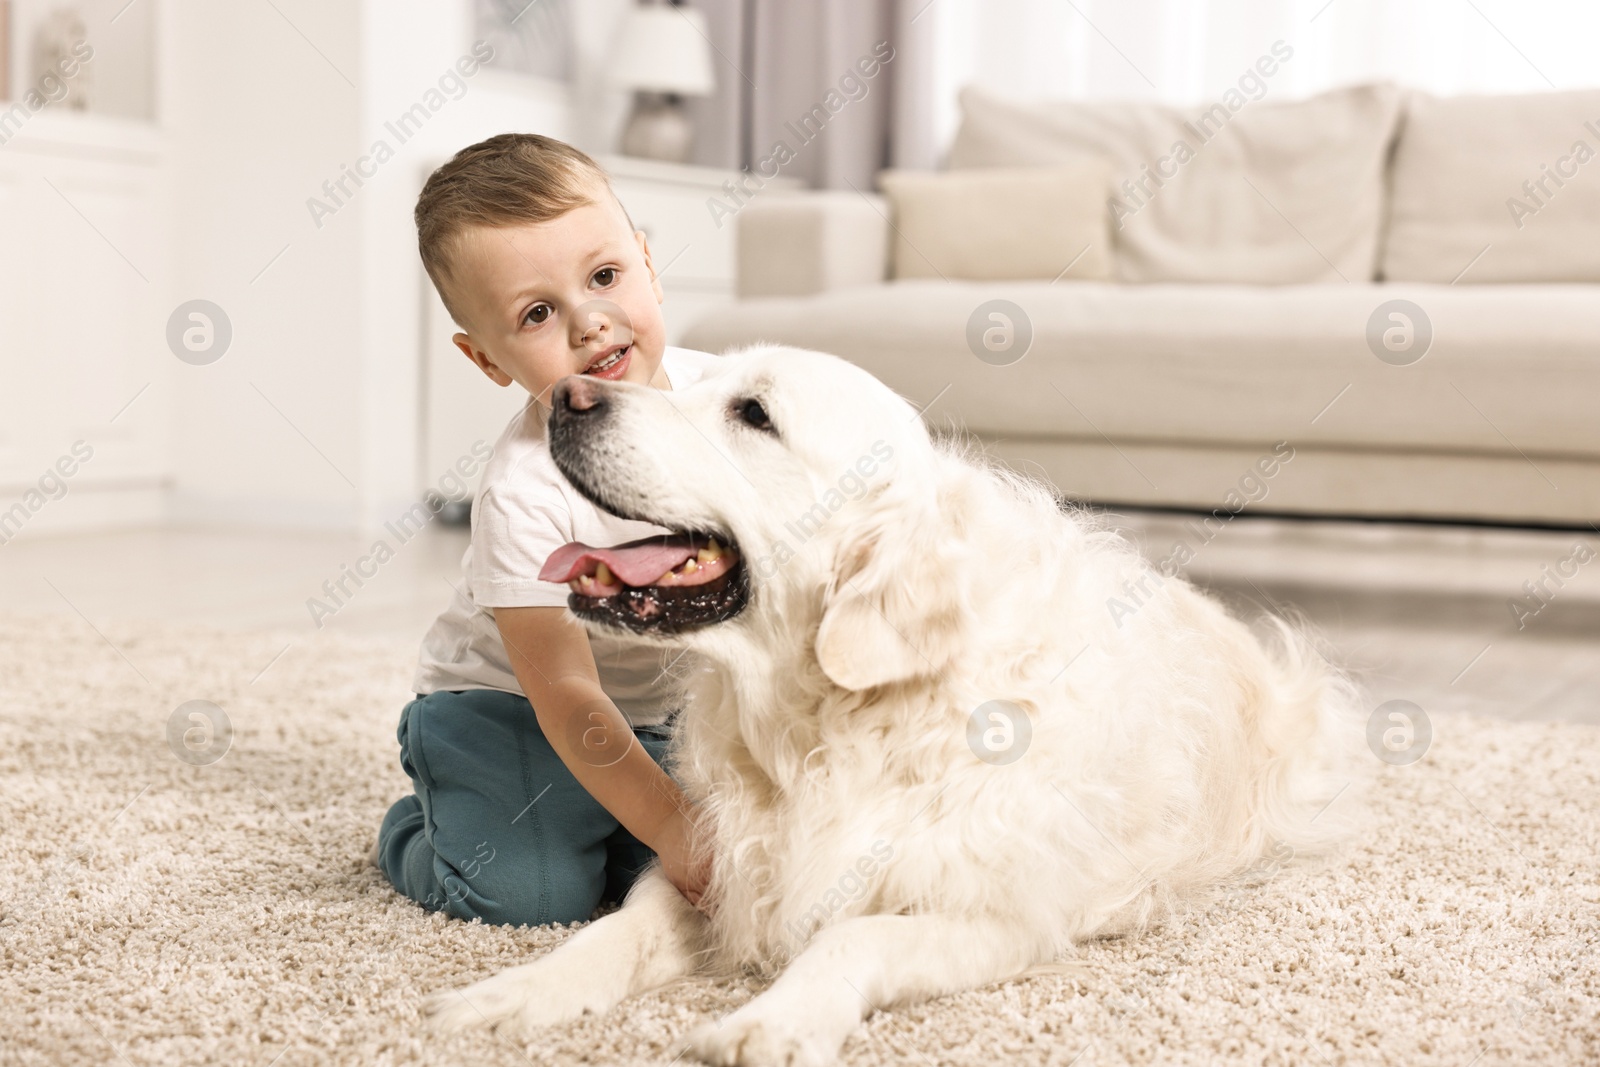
<point>663,49</point>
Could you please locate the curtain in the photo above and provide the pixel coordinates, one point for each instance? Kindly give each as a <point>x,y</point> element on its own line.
<point>826,91</point>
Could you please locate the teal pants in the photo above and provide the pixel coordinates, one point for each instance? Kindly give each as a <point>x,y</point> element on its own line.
<point>498,828</point>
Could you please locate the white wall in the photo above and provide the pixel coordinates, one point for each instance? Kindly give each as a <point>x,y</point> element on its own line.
<point>312,416</point>
<point>254,113</point>
<point>84,284</point>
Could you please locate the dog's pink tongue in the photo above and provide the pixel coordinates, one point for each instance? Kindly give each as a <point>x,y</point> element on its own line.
<point>636,563</point>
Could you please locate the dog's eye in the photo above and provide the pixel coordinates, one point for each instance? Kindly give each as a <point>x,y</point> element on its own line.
<point>751,411</point>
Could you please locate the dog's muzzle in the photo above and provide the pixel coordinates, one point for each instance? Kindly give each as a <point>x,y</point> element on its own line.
<point>668,583</point>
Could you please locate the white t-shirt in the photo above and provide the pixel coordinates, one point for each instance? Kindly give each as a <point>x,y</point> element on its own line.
<point>523,510</point>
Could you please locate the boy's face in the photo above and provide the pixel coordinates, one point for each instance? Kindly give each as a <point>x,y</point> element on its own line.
<point>548,299</point>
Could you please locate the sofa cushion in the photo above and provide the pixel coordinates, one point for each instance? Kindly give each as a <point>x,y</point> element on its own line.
<point>1218,364</point>
<point>1269,193</point>
<point>999,223</point>
<point>793,244</point>
<point>1496,189</point>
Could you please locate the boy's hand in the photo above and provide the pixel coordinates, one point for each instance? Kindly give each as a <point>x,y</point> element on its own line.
<point>551,656</point>
<point>675,847</point>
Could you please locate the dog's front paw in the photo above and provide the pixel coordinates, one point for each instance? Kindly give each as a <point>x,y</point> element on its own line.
<point>518,1000</point>
<point>754,1039</point>
<point>450,1012</point>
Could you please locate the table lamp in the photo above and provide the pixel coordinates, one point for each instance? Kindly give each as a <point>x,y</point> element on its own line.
<point>664,55</point>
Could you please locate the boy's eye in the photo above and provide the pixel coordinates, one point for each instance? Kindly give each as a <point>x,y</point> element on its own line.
<point>538,313</point>
<point>605,276</point>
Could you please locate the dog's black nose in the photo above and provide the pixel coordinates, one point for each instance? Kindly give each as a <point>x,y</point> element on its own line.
<point>577,395</point>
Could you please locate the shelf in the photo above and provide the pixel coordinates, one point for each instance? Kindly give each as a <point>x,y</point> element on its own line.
<point>654,170</point>
<point>85,134</point>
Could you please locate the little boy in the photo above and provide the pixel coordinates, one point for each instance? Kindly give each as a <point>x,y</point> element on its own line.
<point>534,748</point>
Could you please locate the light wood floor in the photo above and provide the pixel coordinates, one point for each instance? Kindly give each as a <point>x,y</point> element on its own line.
<point>1421,613</point>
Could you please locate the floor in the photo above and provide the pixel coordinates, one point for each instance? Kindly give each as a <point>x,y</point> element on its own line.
<point>158,910</point>
<point>1421,613</point>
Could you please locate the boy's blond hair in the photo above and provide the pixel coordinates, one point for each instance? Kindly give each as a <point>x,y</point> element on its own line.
<point>509,178</point>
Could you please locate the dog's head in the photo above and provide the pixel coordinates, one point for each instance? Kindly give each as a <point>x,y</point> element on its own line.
<point>794,482</point>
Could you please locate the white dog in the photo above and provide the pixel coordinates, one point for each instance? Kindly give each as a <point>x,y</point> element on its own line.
<point>944,730</point>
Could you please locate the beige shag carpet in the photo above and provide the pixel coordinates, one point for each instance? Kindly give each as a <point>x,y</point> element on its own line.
<point>155,912</point>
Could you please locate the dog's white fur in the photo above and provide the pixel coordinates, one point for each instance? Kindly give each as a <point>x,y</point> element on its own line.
<point>826,735</point>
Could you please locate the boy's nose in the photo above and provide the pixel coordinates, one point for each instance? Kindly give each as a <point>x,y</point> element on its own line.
<point>578,395</point>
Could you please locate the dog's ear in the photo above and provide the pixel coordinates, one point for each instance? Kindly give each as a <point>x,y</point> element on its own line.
<point>895,604</point>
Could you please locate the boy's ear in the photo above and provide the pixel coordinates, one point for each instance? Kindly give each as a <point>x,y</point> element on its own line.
<point>655,281</point>
<point>480,359</point>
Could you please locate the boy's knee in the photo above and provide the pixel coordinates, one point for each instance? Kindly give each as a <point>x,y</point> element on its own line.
<point>513,901</point>
<point>404,855</point>
<point>475,888</point>
<point>405,812</point>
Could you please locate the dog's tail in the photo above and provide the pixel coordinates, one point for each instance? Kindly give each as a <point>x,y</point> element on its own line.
<point>1308,787</point>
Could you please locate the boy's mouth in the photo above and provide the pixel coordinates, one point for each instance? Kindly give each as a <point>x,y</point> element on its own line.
<point>667,583</point>
<point>611,363</point>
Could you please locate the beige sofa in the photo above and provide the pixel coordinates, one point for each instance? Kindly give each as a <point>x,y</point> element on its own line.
<point>1244,306</point>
